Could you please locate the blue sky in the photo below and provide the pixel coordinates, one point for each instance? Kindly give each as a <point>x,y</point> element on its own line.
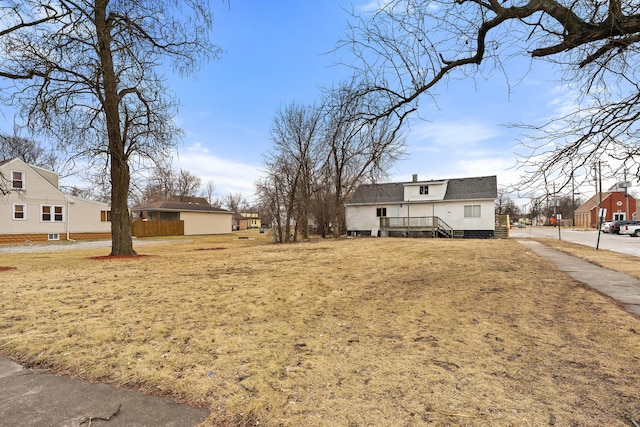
<point>282,51</point>
<point>279,52</point>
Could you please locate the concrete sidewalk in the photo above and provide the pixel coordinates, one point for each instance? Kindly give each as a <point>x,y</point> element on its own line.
<point>619,286</point>
<point>44,399</point>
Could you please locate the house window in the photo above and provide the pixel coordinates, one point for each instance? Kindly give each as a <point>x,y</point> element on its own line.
<point>54,236</point>
<point>472,211</point>
<point>51,213</point>
<point>19,212</point>
<point>424,189</point>
<point>381,212</point>
<point>105,216</point>
<point>17,180</point>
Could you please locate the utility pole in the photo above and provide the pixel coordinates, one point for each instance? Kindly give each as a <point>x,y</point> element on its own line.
<point>599,182</point>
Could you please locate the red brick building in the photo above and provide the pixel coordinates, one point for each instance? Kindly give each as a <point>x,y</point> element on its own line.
<point>618,207</point>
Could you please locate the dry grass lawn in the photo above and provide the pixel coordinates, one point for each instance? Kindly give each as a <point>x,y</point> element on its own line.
<point>348,332</point>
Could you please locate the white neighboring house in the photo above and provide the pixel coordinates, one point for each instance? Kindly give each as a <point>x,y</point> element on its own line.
<point>36,210</point>
<point>462,207</point>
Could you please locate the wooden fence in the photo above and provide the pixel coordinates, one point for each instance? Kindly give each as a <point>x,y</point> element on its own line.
<point>157,228</point>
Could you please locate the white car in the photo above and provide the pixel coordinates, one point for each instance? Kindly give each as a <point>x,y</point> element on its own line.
<point>605,226</point>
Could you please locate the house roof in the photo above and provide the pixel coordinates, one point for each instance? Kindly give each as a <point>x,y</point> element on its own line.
<point>168,206</point>
<point>484,187</point>
<point>593,202</point>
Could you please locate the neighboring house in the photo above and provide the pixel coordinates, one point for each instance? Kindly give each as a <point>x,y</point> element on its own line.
<point>461,207</point>
<point>618,205</point>
<point>197,218</point>
<point>246,220</point>
<point>36,210</point>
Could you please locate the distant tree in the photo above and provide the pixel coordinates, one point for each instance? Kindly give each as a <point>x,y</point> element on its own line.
<point>356,149</point>
<point>320,155</point>
<point>234,202</point>
<point>30,151</point>
<point>83,73</point>
<point>406,49</point>
<point>295,135</point>
<point>505,205</point>
<point>186,184</point>
<point>208,190</point>
<point>269,191</point>
<point>165,184</point>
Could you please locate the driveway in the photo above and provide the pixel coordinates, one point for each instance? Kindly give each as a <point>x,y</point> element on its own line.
<point>613,242</point>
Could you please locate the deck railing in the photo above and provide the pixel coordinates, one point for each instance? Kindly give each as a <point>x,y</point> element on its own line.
<point>422,223</point>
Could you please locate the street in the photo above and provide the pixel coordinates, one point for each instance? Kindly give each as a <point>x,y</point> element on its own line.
<point>613,242</point>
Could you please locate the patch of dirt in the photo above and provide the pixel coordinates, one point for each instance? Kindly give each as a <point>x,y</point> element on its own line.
<point>209,249</point>
<point>105,257</point>
<point>7,268</point>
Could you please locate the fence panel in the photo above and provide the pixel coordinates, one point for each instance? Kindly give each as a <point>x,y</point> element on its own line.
<point>157,228</point>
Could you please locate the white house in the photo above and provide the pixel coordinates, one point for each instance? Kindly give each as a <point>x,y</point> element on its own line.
<point>462,207</point>
<point>36,210</point>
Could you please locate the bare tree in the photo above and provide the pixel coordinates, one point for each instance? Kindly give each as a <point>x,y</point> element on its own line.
<point>186,184</point>
<point>356,149</point>
<point>505,205</point>
<point>407,48</point>
<point>30,151</point>
<point>83,73</point>
<point>234,202</point>
<point>296,135</point>
<point>208,190</point>
<point>166,184</point>
<point>269,192</point>
<point>320,155</point>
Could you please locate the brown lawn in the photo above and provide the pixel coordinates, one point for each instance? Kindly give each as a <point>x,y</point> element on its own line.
<point>348,332</point>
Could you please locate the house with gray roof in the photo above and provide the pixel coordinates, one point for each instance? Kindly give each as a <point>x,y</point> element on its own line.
<point>461,207</point>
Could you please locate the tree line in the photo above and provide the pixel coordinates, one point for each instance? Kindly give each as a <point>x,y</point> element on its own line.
<point>319,156</point>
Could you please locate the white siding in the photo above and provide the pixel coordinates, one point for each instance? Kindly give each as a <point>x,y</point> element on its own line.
<point>80,215</point>
<point>84,217</point>
<point>363,217</point>
<point>437,191</point>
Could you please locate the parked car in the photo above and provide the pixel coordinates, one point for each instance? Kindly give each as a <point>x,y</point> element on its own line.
<point>606,226</point>
<point>616,226</point>
<point>632,229</point>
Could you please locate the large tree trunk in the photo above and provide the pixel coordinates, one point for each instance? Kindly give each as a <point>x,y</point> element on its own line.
<point>121,242</point>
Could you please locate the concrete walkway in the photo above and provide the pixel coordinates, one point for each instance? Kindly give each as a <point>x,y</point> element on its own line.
<point>619,286</point>
<point>34,399</point>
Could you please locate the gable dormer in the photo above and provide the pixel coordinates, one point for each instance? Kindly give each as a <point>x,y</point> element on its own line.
<point>21,176</point>
<point>425,190</point>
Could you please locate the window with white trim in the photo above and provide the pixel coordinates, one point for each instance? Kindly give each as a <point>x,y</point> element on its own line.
<point>17,180</point>
<point>105,216</point>
<point>472,211</point>
<point>51,213</point>
<point>380,212</point>
<point>19,212</point>
<point>424,189</point>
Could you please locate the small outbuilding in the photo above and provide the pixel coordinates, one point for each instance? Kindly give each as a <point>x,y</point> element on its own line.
<point>181,218</point>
